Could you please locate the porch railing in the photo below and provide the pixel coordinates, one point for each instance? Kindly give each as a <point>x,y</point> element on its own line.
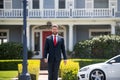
<point>92,13</point>
<point>11,13</point>
<point>59,13</point>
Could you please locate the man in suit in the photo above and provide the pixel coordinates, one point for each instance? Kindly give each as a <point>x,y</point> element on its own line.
<point>54,46</point>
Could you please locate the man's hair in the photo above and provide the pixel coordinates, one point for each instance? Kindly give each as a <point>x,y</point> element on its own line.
<point>55,25</point>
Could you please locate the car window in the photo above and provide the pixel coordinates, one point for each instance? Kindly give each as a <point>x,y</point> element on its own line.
<point>117,60</point>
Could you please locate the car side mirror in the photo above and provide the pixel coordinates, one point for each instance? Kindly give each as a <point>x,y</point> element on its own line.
<point>112,61</point>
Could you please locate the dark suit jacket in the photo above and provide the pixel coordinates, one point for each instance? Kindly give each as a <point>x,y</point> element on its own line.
<point>54,51</point>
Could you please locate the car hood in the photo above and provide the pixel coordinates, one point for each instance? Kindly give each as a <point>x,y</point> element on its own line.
<point>97,65</point>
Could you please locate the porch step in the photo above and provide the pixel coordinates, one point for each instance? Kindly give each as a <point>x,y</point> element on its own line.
<point>43,72</point>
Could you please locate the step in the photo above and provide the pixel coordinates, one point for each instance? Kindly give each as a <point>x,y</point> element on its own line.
<point>43,72</point>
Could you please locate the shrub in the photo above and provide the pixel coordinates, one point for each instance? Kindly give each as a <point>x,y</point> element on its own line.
<point>33,68</point>
<point>13,50</point>
<point>9,64</point>
<point>69,71</point>
<point>105,46</point>
<point>85,62</point>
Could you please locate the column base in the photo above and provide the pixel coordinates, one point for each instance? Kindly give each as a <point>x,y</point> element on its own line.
<point>25,76</point>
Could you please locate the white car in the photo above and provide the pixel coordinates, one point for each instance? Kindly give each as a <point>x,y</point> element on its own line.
<point>109,70</point>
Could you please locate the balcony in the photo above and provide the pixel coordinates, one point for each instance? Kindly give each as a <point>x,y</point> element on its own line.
<point>60,13</point>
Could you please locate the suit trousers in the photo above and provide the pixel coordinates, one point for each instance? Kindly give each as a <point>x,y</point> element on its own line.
<point>53,68</point>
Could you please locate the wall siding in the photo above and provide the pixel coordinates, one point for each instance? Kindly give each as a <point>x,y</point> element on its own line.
<point>83,31</point>
<point>48,4</point>
<point>79,3</point>
<point>15,32</point>
<point>118,3</point>
<point>17,4</point>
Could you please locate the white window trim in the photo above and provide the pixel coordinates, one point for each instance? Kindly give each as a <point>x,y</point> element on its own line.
<point>113,1</point>
<point>7,31</point>
<point>97,30</point>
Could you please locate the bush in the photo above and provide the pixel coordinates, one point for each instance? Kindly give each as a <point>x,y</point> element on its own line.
<point>9,64</point>
<point>12,50</point>
<point>33,68</point>
<point>85,62</point>
<point>105,46</point>
<point>69,71</point>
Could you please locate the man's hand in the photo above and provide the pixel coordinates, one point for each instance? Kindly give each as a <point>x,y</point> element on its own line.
<point>46,60</point>
<point>65,62</point>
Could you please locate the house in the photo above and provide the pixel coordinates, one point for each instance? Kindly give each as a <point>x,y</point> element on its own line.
<point>78,20</point>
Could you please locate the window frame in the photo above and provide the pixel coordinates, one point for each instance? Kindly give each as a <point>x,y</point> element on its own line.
<point>97,30</point>
<point>7,31</point>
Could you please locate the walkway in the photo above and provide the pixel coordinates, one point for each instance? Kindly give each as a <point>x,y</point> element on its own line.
<point>43,75</point>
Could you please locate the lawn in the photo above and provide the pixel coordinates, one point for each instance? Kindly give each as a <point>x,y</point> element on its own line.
<point>7,75</point>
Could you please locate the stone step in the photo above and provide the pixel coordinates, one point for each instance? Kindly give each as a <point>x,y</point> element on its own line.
<point>43,72</point>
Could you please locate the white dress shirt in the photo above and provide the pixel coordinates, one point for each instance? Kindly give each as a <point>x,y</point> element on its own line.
<point>56,37</point>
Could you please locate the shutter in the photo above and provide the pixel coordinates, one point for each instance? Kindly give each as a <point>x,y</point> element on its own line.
<point>88,3</point>
<point>8,4</point>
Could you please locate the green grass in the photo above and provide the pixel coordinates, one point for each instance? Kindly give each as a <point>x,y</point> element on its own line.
<point>7,75</point>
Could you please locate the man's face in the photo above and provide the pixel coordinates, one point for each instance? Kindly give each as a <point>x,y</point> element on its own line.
<point>54,30</point>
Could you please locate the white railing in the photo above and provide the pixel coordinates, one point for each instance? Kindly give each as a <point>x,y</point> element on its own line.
<point>92,12</point>
<point>59,13</point>
<point>11,12</point>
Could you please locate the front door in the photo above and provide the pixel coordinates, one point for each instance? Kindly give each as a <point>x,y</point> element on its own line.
<point>44,35</point>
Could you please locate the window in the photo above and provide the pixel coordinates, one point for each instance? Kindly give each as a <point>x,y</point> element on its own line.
<point>117,60</point>
<point>98,32</point>
<point>36,4</point>
<point>3,36</point>
<point>1,4</point>
<point>37,41</point>
<point>101,3</point>
<point>61,4</point>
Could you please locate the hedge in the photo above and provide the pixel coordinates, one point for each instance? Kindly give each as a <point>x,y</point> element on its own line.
<point>69,71</point>
<point>85,62</point>
<point>12,50</point>
<point>9,64</point>
<point>33,69</point>
<point>105,47</point>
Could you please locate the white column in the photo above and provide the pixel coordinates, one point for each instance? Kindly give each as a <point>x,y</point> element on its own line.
<point>28,36</point>
<point>70,37</point>
<point>113,28</point>
<point>41,4</point>
<point>41,7</point>
<point>56,4</point>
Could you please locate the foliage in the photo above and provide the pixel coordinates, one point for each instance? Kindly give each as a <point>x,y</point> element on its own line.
<point>7,75</point>
<point>85,62</point>
<point>69,71</point>
<point>105,46</point>
<point>9,64</point>
<point>12,50</point>
<point>33,68</point>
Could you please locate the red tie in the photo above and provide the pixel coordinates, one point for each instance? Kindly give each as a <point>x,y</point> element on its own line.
<point>55,41</point>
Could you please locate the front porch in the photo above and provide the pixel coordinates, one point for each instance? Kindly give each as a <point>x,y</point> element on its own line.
<point>73,30</point>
